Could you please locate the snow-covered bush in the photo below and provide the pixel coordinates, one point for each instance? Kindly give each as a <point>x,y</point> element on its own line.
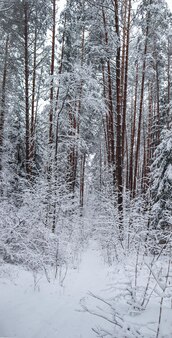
<point>138,302</point>
<point>26,236</point>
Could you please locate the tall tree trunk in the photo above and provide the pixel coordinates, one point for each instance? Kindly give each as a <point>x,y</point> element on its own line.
<point>149,137</point>
<point>169,84</point>
<point>3,97</point>
<point>106,121</point>
<point>140,109</point>
<point>52,206</point>
<point>57,94</point>
<point>127,160</point>
<point>82,179</point>
<point>144,166</point>
<point>52,75</point>
<point>26,61</point>
<point>126,79</point>
<point>133,131</point>
<point>109,116</point>
<point>71,170</point>
<point>123,53</point>
<point>61,64</point>
<point>32,128</point>
<point>158,108</point>
<point>118,113</point>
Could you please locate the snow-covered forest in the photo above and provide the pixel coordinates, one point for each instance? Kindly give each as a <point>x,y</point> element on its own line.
<point>85,169</point>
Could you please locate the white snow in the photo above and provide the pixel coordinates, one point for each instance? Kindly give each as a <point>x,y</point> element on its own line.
<point>50,311</point>
<point>40,309</point>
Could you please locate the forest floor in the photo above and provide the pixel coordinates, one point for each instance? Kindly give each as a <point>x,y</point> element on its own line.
<point>35,308</point>
<point>50,310</point>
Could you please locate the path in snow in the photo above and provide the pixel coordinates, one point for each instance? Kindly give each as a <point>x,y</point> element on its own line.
<point>51,311</point>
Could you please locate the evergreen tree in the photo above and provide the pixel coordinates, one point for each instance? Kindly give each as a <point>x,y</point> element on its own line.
<point>160,187</point>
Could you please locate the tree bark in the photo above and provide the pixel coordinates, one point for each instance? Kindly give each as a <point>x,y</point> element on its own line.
<point>126,80</point>
<point>140,109</point>
<point>32,128</point>
<point>26,61</point>
<point>118,113</point>
<point>82,179</point>
<point>131,162</point>
<point>109,116</point>
<point>52,75</point>
<point>169,84</point>
<point>3,98</point>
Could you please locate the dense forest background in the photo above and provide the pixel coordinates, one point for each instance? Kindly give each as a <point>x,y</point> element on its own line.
<point>86,157</point>
<point>85,128</point>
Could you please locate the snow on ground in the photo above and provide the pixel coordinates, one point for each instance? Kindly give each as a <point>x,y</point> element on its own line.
<point>50,311</point>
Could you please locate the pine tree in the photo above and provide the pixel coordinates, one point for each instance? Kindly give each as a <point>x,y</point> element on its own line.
<point>160,188</point>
